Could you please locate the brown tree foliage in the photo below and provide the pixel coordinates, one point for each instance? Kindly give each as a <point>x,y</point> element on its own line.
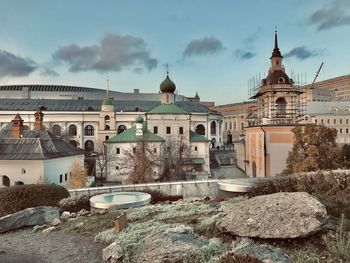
<point>314,148</point>
<point>78,176</point>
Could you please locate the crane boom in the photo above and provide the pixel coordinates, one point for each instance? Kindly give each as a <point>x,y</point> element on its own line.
<point>317,73</point>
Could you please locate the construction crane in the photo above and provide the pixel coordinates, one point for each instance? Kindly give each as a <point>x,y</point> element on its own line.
<point>317,73</point>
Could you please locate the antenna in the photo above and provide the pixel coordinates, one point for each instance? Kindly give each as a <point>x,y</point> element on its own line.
<point>317,73</point>
<point>107,85</point>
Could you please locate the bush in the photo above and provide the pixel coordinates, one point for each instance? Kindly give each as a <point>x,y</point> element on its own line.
<point>158,196</point>
<point>17,198</point>
<point>75,203</point>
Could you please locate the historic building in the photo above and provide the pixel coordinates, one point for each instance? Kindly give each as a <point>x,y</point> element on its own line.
<point>88,123</point>
<point>32,156</point>
<point>268,138</point>
<point>168,127</point>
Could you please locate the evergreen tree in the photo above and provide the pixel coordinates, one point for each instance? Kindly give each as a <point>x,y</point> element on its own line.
<point>314,148</point>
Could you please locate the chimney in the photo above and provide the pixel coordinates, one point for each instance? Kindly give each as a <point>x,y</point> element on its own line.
<point>17,127</point>
<point>39,116</point>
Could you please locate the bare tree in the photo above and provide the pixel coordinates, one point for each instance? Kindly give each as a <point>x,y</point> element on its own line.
<point>77,176</point>
<point>102,156</point>
<point>141,162</point>
<point>175,159</point>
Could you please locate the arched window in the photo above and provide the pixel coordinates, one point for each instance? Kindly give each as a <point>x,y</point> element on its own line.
<point>56,130</point>
<point>5,180</point>
<point>107,118</point>
<point>107,128</point>
<point>72,130</point>
<point>121,128</point>
<point>281,106</point>
<point>334,109</point>
<point>200,129</point>
<point>346,109</point>
<point>213,127</point>
<point>281,80</point>
<point>89,146</point>
<point>89,130</point>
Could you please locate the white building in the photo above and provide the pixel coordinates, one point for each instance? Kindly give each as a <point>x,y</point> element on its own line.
<point>30,157</point>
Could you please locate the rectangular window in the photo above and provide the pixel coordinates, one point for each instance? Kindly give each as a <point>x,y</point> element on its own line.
<point>347,121</point>
<point>65,176</point>
<point>168,130</point>
<point>181,130</point>
<point>230,125</point>
<point>321,121</point>
<point>134,150</point>
<point>242,125</point>
<point>155,129</point>
<point>155,150</point>
<point>196,148</point>
<point>316,121</point>
<point>327,121</point>
<point>346,130</point>
<point>334,121</point>
<point>340,130</point>
<point>118,150</point>
<point>61,178</point>
<point>341,121</point>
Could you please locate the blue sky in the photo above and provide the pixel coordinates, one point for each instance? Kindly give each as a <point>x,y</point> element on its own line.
<point>213,47</point>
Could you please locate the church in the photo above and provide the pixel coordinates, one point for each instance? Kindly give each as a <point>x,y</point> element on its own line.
<point>264,148</point>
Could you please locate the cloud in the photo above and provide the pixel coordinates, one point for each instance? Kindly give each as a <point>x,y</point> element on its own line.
<point>46,71</point>
<point>244,55</point>
<point>336,13</point>
<point>203,46</point>
<point>302,53</point>
<point>112,53</point>
<point>15,66</point>
<point>252,38</point>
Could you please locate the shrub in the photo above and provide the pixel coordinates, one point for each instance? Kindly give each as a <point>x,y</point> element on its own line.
<point>17,198</point>
<point>339,244</point>
<point>108,236</point>
<point>75,203</point>
<point>158,196</point>
<point>211,252</point>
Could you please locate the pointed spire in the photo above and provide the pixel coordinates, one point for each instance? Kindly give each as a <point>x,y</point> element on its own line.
<point>276,51</point>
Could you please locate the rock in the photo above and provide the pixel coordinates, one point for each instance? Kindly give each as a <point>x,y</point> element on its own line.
<point>38,228</point>
<point>29,217</point>
<point>2,251</point>
<point>73,215</point>
<point>280,215</point>
<point>112,252</point>
<point>56,222</point>
<point>83,212</point>
<point>264,253</point>
<point>48,230</point>
<point>65,216</point>
<point>168,247</point>
<point>120,222</point>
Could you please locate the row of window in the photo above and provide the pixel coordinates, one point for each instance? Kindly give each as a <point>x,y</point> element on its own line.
<point>168,130</point>
<point>334,121</point>
<point>88,130</point>
<point>234,125</point>
<point>118,151</point>
<point>341,130</point>
<point>65,178</point>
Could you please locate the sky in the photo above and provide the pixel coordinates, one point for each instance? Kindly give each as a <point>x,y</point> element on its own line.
<point>216,48</point>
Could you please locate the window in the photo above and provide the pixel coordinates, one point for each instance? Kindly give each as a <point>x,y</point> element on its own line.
<point>72,130</point>
<point>134,149</point>
<point>121,128</point>
<point>200,130</point>
<point>168,130</point>
<point>107,118</point>
<point>56,130</point>
<point>196,148</point>
<point>341,121</point>
<point>181,130</point>
<point>107,128</point>
<point>106,138</point>
<point>328,121</point>
<point>65,176</point>
<point>321,121</point>
<point>117,167</point>
<point>155,129</point>
<point>235,126</point>
<point>225,125</point>
<point>316,121</point>
<point>89,130</point>
<point>118,150</point>
<point>213,127</point>
<point>347,121</point>
<point>334,121</point>
<point>242,125</point>
<point>61,179</point>
<point>155,150</point>
<point>340,130</point>
<point>346,130</point>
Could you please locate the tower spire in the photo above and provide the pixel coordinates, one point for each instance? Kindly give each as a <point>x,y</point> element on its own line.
<point>276,51</point>
<point>276,41</point>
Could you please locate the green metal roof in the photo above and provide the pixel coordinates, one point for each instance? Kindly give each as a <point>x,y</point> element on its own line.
<point>130,136</point>
<point>167,109</point>
<point>107,101</point>
<point>194,137</point>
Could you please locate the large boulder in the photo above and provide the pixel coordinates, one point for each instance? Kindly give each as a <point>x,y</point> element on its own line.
<point>29,217</point>
<point>280,215</point>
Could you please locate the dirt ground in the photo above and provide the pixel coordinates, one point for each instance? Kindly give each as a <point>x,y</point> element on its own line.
<point>24,246</point>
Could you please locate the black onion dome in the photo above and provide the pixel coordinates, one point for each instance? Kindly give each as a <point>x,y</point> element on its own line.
<point>167,85</point>
<point>278,77</point>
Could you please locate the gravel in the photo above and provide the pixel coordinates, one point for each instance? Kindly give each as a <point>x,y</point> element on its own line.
<point>24,246</point>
